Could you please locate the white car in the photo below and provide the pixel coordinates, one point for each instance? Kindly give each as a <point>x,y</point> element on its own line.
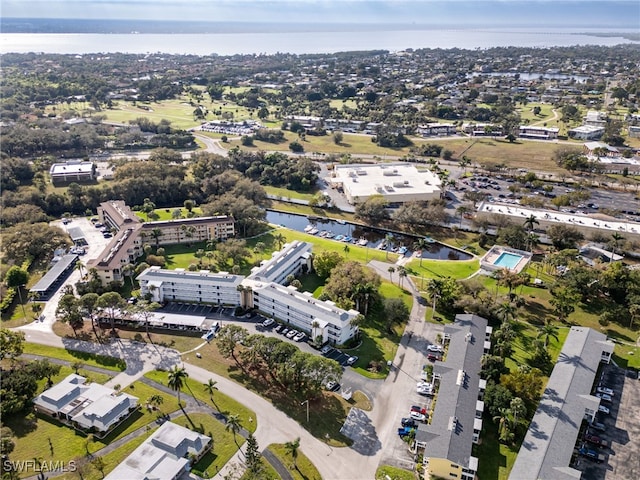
<point>424,385</point>
<point>299,337</point>
<point>603,409</point>
<point>292,333</point>
<point>421,417</point>
<point>268,322</point>
<point>606,391</point>
<point>604,397</point>
<point>435,348</point>
<point>424,391</point>
<point>326,349</point>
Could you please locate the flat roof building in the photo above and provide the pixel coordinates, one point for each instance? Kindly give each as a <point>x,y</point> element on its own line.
<point>547,448</point>
<point>166,455</point>
<point>72,171</point>
<point>457,417</point>
<point>290,260</point>
<point>539,133</point>
<point>586,132</point>
<point>395,182</point>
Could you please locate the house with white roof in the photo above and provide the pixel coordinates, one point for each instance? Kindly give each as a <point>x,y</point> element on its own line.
<point>166,455</point>
<point>87,406</point>
<point>72,171</point>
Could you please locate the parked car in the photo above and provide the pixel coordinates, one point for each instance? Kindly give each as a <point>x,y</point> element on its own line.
<point>421,417</point>
<point>603,409</point>
<point>326,349</point>
<point>107,235</point>
<point>416,408</point>
<point>300,337</point>
<point>592,455</point>
<point>606,391</point>
<point>596,440</point>
<point>408,422</point>
<point>209,335</point>
<point>404,431</point>
<point>599,426</point>
<point>268,322</point>
<point>278,328</point>
<point>332,386</point>
<point>284,331</point>
<point>432,357</point>
<point>435,348</point>
<point>352,360</point>
<point>604,397</point>
<point>292,333</point>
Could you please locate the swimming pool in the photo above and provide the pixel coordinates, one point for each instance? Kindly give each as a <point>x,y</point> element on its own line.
<point>507,260</point>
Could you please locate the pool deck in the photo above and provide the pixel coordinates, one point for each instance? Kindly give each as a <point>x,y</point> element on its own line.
<point>494,253</point>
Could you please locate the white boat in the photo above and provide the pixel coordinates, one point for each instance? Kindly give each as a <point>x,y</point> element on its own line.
<point>330,235</point>
<point>313,231</point>
<point>341,221</point>
<point>308,228</point>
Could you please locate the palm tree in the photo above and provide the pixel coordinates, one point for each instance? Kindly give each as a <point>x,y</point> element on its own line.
<point>464,162</point>
<point>80,267</point>
<point>506,311</point>
<point>531,222</point>
<point>462,210</point>
<point>210,387</point>
<point>420,244</point>
<point>504,425</point>
<point>177,377</point>
<point>616,238</point>
<point>388,239</point>
<point>279,239</point>
<point>391,270</point>
<point>547,331</point>
<point>292,449</point>
<point>402,274</point>
<point>156,233</point>
<point>518,409</point>
<point>128,270</point>
<point>233,424</point>
<point>156,400</point>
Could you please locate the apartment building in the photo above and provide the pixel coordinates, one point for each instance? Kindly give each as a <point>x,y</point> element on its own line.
<point>547,448</point>
<point>539,133</point>
<point>72,171</point>
<point>180,285</point>
<point>132,234</point>
<point>436,129</point>
<point>457,418</point>
<point>263,290</point>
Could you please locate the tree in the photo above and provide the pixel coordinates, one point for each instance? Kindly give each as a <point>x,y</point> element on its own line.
<point>68,311</point>
<point>156,233</point>
<point>391,269</point>
<point>210,387</point>
<point>563,301</point>
<point>279,239</point>
<point>396,312</point>
<point>228,338</point>
<point>111,303</point>
<point>616,237</point>
<point>233,425</point>
<point>345,281</point>
<point>325,261</point>
<point>296,147</point>
<point>16,277</point>
<point>292,449</point>
<point>402,274</point>
<point>143,310</point>
<point>98,463</point>
<point>547,331</point>
<point>518,410</point>
<point>88,303</point>
<point>373,209</point>
<point>531,222</point>
<point>564,237</point>
<point>11,344</point>
<point>505,434</point>
<point>156,400</point>
<point>338,137</point>
<point>77,365</point>
<point>253,457</point>
<point>177,378</point>
<point>420,244</point>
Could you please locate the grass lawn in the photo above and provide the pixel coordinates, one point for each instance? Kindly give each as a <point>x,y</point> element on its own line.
<point>286,193</point>
<point>91,359</point>
<point>377,343</point>
<point>268,472</point>
<point>439,269</point>
<point>496,459</point>
<point>546,113</point>
<point>167,214</point>
<point>385,472</point>
<point>224,443</point>
<point>221,402</point>
<point>303,469</point>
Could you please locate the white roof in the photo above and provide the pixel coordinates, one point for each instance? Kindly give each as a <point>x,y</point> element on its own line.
<point>386,179</point>
<point>71,167</point>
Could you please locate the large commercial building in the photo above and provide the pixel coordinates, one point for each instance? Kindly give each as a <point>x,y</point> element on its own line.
<point>262,290</point>
<point>396,182</point>
<point>566,402</point>
<point>72,171</point>
<point>86,406</point>
<point>132,234</point>
<point>166,455</point>
<point>538,133</point>
<point>457,418</point>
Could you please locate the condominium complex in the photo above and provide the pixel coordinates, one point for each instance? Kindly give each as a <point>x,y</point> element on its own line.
<point>457,418</point>
<point>132,234</point>
<point>261,290</point>
<point>547,448</point>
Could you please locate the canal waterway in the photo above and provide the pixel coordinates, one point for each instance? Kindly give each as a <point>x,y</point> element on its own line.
<point>376,237</point>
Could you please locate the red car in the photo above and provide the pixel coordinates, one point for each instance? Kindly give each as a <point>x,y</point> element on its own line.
<point>416,408</point>
<point>431,357</point>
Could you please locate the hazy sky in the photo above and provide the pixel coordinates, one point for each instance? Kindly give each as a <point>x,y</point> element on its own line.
<point>623,13</point>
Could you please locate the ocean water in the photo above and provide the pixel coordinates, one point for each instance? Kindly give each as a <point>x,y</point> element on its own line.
<point>304,42</point>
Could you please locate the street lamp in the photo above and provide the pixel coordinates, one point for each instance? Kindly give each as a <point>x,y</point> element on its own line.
<point>307,402</point>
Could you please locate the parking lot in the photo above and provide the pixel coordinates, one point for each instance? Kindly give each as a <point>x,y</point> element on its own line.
<point>620,428</point>
<point>188,309</point>
<point>340,357</point>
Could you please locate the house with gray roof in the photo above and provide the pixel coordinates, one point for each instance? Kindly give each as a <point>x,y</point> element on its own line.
<point>547,449</point>
<point>165,455</point>
<point>88,406</point>
<point>457,418</point>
